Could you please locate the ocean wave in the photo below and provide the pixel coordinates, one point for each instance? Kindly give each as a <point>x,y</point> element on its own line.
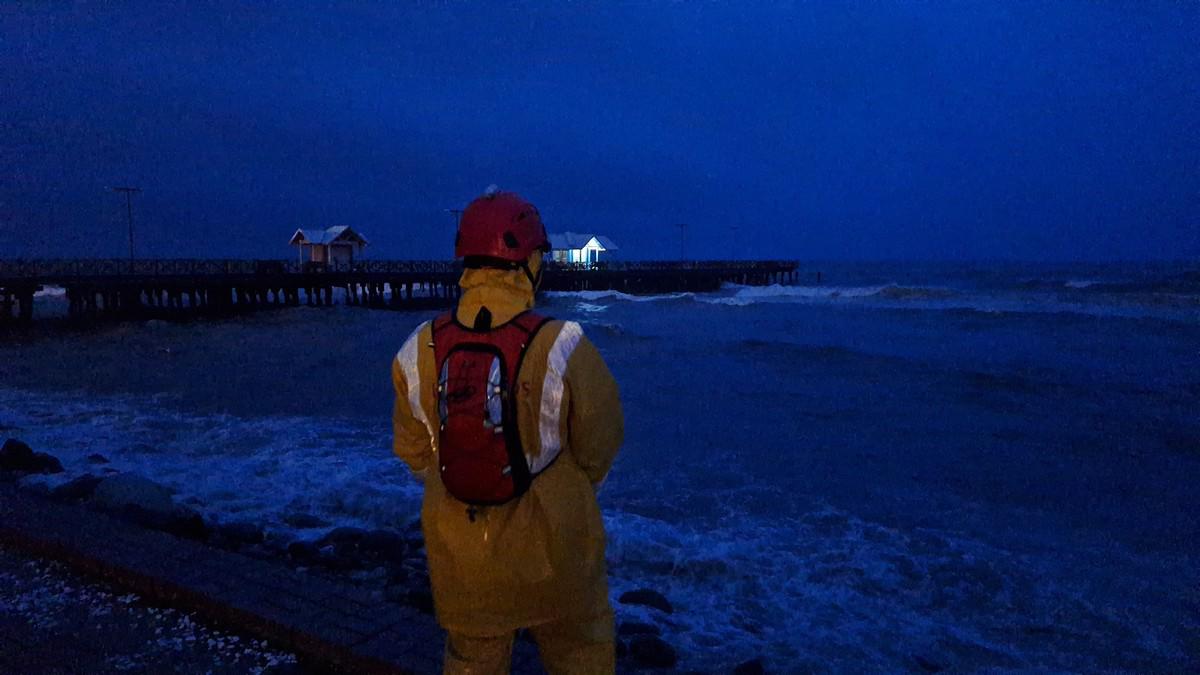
<point>607,327</point>
<point>1187,283</point>
<point>829,586</point>
<point>243,468</point>
<point>1097,287</point>
<point>51,292</point>
<point>812,353</point>
<point>1029,300</point>
<point>748,295</point>
<point>616,295</point>
<point>589,308</point>
<point>822,588</point>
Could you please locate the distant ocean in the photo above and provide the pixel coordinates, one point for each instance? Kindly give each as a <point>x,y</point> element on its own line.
<point>970,465</point>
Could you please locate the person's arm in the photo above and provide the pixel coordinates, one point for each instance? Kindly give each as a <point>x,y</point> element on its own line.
<point>596,426</point>
<point>411,441</point>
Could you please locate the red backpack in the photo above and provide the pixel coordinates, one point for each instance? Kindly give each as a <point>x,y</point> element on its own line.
<point>481,459</point>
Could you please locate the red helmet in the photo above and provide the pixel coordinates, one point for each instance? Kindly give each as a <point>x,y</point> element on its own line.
<point>500,226</point>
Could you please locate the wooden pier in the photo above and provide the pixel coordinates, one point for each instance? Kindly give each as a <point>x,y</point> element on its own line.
<point>169,289</point>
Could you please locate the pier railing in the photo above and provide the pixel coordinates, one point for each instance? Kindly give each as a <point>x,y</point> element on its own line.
<point>674,266</point>
<point>185,267</point>
<point>136,289</point>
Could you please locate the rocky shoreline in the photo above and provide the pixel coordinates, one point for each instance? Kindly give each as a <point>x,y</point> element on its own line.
<point>386,562</point>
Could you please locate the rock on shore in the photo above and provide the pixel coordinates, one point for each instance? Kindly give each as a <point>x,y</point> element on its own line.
<point>129,489</point>
<point>390,561</point>
<point>147,503</point>
<point>652,652</point>
<point>648,598</point>
<point>17,457</point>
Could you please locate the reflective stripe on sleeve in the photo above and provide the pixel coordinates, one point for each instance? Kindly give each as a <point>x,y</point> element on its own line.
<point>408,357</point>
<point>552,395</point>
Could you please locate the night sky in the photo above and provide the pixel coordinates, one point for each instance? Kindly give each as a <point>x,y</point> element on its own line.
<point>1046,130</point>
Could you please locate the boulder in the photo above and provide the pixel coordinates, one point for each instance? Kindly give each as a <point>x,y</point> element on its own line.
<point>397,575</point>
<point>414,535</point>
<point>304,521</point>
<point>36,488</point>
<point>397,592</point>
<point>77,489</point>
<point>18,457</point>
<point>751,667</point>
<point>422,600</point>
<point>242,533</point>
<point>43,463</point>
<point>187,524</point>
<point>155,520</point>
<point>341,536</point>
<point>181,522</point>
<point>13,453</point>
<point>276,543</point>
<point>383,544</point>
<point>416,575</point>
<point>146,503</point>
<point>285,668</point>
<point>650,651</point>
<point>928,665</point>
<point>131,490</point>
<point>637,628</point>
<point>337,561</point>
<point>647,598</point>
<point>257,551</point>
<point>303,551</point>
<point>97,458</point>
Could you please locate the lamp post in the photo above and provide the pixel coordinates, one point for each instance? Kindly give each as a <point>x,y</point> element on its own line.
<point>682,228</point>
<point>129,211</point>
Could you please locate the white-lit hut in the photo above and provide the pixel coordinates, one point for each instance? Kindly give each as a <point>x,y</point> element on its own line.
<point>573,247</point>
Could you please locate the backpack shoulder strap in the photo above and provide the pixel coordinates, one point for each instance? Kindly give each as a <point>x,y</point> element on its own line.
<point>443,320</point>
<point>530,322</point>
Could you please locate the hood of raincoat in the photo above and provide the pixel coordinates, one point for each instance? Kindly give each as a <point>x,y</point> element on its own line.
<point>505,293</point>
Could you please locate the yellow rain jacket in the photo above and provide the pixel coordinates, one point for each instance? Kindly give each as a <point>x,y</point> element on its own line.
<point>539,558</point>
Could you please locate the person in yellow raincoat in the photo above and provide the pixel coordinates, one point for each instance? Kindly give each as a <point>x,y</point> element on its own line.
<point>536,561</point>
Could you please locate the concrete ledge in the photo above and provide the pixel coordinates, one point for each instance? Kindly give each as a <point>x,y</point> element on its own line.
<point>330,624</point>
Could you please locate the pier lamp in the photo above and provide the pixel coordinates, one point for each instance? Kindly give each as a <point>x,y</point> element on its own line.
<point>129,211</point>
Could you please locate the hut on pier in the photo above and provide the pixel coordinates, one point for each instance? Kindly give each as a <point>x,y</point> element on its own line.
<point>336,245</point>
<point>580,249</point>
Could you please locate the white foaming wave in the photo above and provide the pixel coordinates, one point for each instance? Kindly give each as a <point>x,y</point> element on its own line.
<point>825,588</point>
<point>830,587</point>
<point>749,295</point>
<point>257,469</point>
<point>1170,307</point>
<point>51,292</point>
<point>1080,283</point>
<point>590,308</point>
<point>616,295</point>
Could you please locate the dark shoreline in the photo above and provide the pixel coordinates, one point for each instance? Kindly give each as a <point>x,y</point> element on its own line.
<point>387,564</point>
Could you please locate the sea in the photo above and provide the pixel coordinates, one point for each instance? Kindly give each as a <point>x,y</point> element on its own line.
<point>902,468</point>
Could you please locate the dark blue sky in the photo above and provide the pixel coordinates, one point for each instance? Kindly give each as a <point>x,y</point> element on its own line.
<point>966,130</point>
